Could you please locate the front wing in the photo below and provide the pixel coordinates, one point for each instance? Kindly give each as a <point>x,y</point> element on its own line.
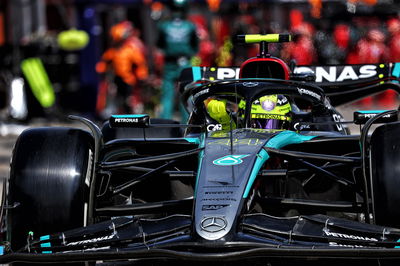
<point>258,236</point>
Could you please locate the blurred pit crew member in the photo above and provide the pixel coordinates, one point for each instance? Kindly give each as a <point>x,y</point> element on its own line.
<point>179,42</point>
<point>126,60</point>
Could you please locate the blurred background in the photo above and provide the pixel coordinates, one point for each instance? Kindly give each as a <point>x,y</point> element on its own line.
<point>60,57</point>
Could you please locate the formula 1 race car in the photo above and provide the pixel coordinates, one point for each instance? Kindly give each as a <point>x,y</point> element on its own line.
<point>265,172</point>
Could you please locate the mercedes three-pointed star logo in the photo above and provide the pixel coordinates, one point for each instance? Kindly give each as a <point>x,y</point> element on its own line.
<point>250,84</point>
<point>213,224</point>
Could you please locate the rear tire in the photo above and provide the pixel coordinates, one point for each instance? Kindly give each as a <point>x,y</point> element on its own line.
<point>47,182</point>
<point>385,161</point>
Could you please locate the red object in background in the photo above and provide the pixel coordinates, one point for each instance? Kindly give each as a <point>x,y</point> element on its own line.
<point>368,2</point>
<point>372,50</point>
<point>207,48</point>
<point>393,26</point>
<point>394,48</point>
<point>296,19</point>
<point>302,50</point>
<point>207,51</point>
<point>2,31</point>
<point>341,35</point>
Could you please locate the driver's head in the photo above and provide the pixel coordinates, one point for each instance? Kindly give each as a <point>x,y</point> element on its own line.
<point>270,112</point>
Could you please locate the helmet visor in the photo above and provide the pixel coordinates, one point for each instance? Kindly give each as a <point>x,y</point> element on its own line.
<point>267,123</point>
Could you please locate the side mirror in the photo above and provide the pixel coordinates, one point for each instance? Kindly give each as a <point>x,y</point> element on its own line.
<point>134,121</point>
<point>361,117</point>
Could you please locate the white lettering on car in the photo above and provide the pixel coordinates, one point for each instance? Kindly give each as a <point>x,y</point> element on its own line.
<point>227,73</point>
<point>340,235</point>
<point>367,71</point>
<point>308,92</point>
<point>321,73</point>
<point>213,127</point>
<point>347,73</point>
<point>334,244</point>
<point>93,240</point>
<point>337,118</point>
<point>331,74</point>
<point>126,120</point>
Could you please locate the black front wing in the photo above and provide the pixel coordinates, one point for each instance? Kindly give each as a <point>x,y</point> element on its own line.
<point>171,238</point>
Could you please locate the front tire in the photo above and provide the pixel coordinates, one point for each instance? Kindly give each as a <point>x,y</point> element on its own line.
<point>47,182</point>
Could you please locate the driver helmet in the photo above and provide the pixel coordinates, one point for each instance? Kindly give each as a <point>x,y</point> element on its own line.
<point>271,112</point>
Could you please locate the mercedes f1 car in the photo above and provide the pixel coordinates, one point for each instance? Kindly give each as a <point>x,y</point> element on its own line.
<point>147,191</point>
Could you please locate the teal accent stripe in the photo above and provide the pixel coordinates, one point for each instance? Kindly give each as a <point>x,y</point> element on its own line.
<point>45,245</point>
<point>47,252</point>
<point>396,72</point>
<point>201,155</point>
<point>1,250</point>
<point>129,116</point>
<point>196,72</point>
<point>283,139</point>
<point>193,140</point>
<point>47,237</point>
<point>372,111</point>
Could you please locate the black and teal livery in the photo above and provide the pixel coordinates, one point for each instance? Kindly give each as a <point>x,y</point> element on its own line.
<point>150,191</point>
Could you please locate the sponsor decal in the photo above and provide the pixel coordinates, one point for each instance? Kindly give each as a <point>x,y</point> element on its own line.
<point>126,120</point>
<point>250,84</point>
<point>227,73</point>
<point>213,224</point>
<point>219,192</point>
<point>213,127</point>
<point>229,160</point>
<point>370,115</point>
<point>200,93</point>
<point>93,240</point>
<point>213,207</point>
<point>338,118</point>
<point>299,127</point>
<point>334,244</point>
<point>339,74</point>
<point>310,93</point>
<point>353,237</point>
<point>270,116</point>
<point>219,199</point>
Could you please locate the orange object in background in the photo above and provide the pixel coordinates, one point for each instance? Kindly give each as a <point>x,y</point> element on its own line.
<point>316,6</point>
<point>368,2</point>
<point>2,31</point>
<point>214,5</point>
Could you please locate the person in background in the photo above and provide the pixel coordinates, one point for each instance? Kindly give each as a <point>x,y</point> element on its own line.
<point>372,49</point>
<point>302,48</point>
<point>179,42</point>
<point>125,60</point>
<point>393,26</point>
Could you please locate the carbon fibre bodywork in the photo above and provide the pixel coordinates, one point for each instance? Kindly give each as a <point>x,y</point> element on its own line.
<point>204,192</point>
